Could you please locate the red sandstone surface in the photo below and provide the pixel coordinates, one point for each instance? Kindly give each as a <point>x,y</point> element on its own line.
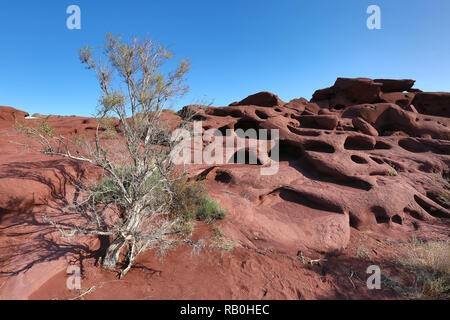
<point>364,164</point>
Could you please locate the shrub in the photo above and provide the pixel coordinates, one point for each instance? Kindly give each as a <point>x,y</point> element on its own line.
<point>210,210</point>
<point>135,87</point>
<point>187,198</point>
<point>108,191</point>
<point>191,202</point>
<point>39,128</point>
<point>107,128</point>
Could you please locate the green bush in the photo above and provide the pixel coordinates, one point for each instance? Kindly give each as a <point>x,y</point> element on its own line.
<point>109,192</point>
<point>189,198</point>
<point>191,202</point>
<point>210,210</point>
<point>39,127</point>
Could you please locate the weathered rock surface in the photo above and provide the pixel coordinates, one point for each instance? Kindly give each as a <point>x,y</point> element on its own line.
<point>364,127</point>
<point>9,115</point>
<point>348,91</point>
<point>390,85</point>
<point>433,103</point>
<point>358,165</point>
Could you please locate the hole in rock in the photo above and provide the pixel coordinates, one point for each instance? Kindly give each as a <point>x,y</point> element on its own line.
<point>397,219</point>
<point>358,159</point>
<point>432,210</point>
<point>395,165</point>
<point>339,107</point>
<point>3,212</point>
<point>236,114</point>
<point>412,145</point>
<point>354,221</point>
<point>248,125</point>
<point>380,214</point>
<point>309,170</point>
<point>261,114</point>
<point>382,145</point>
<point>377,160</point>
<point>388,130</point>
<point>358,143</point>
<point>286,151</point>
<point>223,131</point>
<point>223,176</point>
<point>306,133</point>
<point>318,146</point>
<point>244,156</point>
<point>198,117</point>
<point>413,214</point>
<point>226,112</point>
<point>441,198</point>
<point>306,200</point>
<point>310,123</point>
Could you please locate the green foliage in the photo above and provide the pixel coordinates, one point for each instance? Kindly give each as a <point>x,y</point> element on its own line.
<point>210,210</point>
<point>108,125</point>
<point>108,191</point>
<point>189,199</point>
<point>45,128</point>
<point>38,127</point>
<point>191,202</point>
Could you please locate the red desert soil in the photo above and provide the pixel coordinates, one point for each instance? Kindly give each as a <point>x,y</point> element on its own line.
<point>363,167</point>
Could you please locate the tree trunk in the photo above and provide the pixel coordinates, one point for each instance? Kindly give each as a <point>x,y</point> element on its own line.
<point>131,225</point>
<point>112,253</point>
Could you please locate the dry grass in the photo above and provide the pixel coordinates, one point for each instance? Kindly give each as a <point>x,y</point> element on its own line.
<point>430,263</point>
<point>221,241</point>
<point>362,253</point>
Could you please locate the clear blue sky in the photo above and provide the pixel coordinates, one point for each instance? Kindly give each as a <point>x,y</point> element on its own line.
<point>237,47</point>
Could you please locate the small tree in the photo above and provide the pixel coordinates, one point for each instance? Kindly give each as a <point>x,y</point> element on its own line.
<point>138,181</point>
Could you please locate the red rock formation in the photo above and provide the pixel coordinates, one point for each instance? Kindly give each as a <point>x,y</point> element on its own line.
<point>262,99</point>
<point>9,115</point>
<point>347,91</point>
<point>358,165</point>
<point>390,85</point>
<point>433,103</point>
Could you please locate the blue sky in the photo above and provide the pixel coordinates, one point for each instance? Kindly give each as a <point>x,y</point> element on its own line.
<point>237,47</point>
